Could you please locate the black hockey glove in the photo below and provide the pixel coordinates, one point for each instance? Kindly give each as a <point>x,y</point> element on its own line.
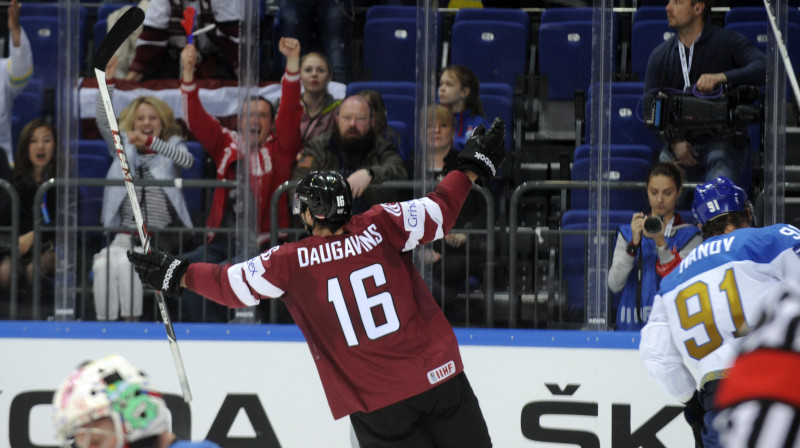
<point>693,413</point>
<point>159,270</point>
<point>484,151</point>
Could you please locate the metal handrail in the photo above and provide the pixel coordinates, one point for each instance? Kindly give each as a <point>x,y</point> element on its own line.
<point>13,246</point>
<point>513,226</point>
<point>52,183</point>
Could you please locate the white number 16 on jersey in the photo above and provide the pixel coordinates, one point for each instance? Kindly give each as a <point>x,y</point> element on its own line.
<point>365,304</point>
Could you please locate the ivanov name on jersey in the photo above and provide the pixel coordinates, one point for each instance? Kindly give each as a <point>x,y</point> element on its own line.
<point>337,250</point>
<point>706,249</point>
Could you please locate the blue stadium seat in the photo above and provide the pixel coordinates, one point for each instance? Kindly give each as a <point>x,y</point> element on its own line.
<point>27,106</point>
<point>95,147</point>
<point>499,14</point>
<point>99,32</point>
<point>574,253</point>
<point>90,199</point>
<point>645,36</point>
<point>406,88</point>
<point>401,108</point>
<point>626,117</point>
<point>565,50</point>
<point>42,33</point>
<point>49,10</point>
<point>195,197</point>
<point>391,11</point>
<point>621,169</point>
<point>497,88</point>
<point>650,13</point>
<point>642,152</point>
<point>758,33</point>
<point>495,51</point>
<point>390,49</point>
<point>738,14</point>
<point>553,15</point>
<point>565,55</point>
<point>500,106</point>
<point>406,134</point>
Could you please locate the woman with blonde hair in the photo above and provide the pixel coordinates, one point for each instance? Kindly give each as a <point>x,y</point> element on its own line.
<point>154,145</point>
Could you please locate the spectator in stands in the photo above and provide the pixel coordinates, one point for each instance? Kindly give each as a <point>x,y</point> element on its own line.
<point>319,114</point>
<point>701,58</point>
<point>36,163</point>
<point>155,148</point>
<point>18,68</point>
<point>643,256</point>
<point>109,402</point>
<point>163,37</point>
<point>354,150</point>
<point>450,256</point>
<point>382,128</point>
<point>275,141</point>
<point>331,21</point>
<point>459,90</point>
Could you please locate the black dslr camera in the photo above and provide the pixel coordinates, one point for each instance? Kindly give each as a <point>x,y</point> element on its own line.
<point>653,223</point>
<point>680,113</point>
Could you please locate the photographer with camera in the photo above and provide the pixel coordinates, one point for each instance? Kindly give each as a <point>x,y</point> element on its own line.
<point>700,59</point>
<point>649,247</point>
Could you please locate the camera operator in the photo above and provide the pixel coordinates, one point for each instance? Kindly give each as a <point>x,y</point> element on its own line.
<point>702,57</point>
<point>650,247</point>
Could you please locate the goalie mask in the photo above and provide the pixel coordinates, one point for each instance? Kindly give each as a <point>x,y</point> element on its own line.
<point>112,388</point>
<point>327,195</point>
<point>716,198</point>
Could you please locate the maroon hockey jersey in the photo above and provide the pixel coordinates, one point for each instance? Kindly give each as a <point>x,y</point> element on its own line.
<point>373,327</point>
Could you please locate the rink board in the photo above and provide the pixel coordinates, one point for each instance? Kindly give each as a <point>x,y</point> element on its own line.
<point>256,385</point>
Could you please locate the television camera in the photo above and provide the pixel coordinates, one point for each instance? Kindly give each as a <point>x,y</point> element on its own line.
<point>681,113</point>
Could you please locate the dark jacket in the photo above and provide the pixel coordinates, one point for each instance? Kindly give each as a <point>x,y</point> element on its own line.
<point>321,154</point>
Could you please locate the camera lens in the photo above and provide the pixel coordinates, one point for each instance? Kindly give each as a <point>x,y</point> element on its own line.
<point>652,224</point>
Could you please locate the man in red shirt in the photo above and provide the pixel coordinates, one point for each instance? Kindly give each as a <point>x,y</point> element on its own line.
<point>276,142</point>
<point>385,353</point>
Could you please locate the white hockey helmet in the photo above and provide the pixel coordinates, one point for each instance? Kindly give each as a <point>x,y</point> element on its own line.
<point>110,387</point>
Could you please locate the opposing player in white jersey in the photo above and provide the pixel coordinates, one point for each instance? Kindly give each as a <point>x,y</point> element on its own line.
<point>711,296</point>
<point>385,353</point>
<point>760,397</point>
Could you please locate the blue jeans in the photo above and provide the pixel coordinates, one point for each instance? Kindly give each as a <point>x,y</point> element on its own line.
<point>197,308</point>
<point>298,19</point>
<point>717,158</point>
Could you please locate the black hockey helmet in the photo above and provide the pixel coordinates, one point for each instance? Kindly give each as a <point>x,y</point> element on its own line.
<point>327,194</point>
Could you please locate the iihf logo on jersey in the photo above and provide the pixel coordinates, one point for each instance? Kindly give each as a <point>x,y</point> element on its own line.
<point>442,372</point>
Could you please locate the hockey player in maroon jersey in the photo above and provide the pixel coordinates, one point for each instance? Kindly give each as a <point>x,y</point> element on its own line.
<point>385,353</point>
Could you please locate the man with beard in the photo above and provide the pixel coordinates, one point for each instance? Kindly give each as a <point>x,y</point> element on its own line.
<point>275,142</point>
<point>354,150</point>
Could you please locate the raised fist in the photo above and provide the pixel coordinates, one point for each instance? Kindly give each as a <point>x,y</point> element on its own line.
<point>485,151</point>
<point>159,270</point>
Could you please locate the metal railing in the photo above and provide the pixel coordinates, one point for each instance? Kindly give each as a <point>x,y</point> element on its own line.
<point>82,287</point>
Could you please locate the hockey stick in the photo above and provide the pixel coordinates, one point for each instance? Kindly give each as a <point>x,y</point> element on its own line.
<point>784,53</point>
<point>121,30</point>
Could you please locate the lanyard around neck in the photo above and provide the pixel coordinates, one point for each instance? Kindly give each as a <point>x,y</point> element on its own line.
<point>686,66</point>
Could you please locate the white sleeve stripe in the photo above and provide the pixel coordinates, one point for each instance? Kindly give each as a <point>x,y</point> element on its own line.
<point>427,209</point>
<point>239,285</point>
<point>416,233</point>
<point>435,212</point>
